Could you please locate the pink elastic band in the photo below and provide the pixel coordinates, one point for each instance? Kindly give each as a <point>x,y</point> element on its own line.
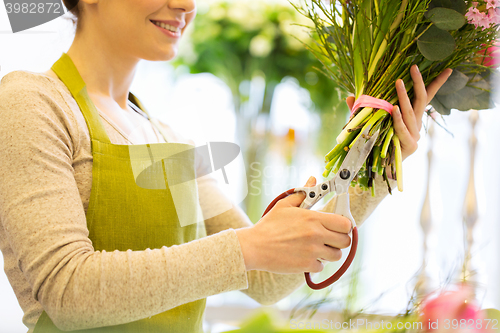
<point>372,102</point>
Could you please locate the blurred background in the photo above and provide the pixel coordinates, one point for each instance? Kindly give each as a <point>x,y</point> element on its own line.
<point>243,76</point>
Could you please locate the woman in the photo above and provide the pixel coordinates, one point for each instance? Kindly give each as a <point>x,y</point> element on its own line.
<point>85,246</point>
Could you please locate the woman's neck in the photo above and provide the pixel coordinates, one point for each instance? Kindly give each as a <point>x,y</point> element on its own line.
<point>107,73</point>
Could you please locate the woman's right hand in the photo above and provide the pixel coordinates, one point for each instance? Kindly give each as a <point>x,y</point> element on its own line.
<point>289,239</point>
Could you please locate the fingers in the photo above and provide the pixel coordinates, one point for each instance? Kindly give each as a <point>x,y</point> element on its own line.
<point>316,267</point>
<point>420,100</point>
<point>331,253</point>
<point>338,240</point>
<point>401,129</point>
<point>435,85</point>
<point>406,108</point>
<point>335,222</point>
<point>296,199</point>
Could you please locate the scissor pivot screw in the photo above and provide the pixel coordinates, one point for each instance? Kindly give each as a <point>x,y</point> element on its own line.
<point>324,187</point>
<point>345,174</point>
<point>312,194</point>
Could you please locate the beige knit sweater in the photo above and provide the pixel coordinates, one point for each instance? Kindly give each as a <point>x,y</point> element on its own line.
<point>45,182</point>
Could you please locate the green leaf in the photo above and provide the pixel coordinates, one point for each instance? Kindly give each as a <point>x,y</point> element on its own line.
<point>445,18</point>
<point>455,82</point>
<point>484,100</point>
<point>479,83</point>
<point>475,94</point>
<point>436,44</point>
<point>458,5</point>
<point>439,106</point>
<point>465,99</point>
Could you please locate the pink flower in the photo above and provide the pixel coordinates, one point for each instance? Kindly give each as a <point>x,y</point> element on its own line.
<point>492,4</point>
<point>486,17</point>
<point>474,16</point>
<point>494,15</point>
<point>451,310</point>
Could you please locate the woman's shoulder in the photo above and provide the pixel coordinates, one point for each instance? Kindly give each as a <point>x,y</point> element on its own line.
<point>24,85</point>
<point>36,99</point>
<point>25,80</point>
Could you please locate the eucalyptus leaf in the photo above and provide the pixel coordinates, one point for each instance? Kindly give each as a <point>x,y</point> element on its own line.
<point>439,106</point>
<point>465,99</point>
<point>436,44</point>
<point>458,5</point>
<point>445,18</point>
<point>455,82</point>
<point>479,84</point>
<point>484,100</point>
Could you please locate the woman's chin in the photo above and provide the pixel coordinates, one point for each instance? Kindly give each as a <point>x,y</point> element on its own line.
<point>169,54</point>
<point>162,55</point>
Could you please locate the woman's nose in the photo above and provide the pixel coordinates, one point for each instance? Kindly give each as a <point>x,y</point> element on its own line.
<point>187,6</point>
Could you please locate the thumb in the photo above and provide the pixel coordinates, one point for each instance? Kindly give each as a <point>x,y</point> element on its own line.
<point>296,199</point>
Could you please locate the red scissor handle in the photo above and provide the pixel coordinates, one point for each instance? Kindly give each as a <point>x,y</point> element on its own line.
<point>345,265</point>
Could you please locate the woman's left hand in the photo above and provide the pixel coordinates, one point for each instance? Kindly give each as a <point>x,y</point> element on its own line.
<point>408,120</point>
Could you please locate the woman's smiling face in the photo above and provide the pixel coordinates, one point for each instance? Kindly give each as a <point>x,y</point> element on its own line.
<point>128,25</point>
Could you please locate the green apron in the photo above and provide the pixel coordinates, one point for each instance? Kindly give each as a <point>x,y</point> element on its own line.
<point>123,215</point>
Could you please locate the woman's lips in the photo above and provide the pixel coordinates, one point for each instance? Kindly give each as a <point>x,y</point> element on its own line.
<point>168,32</point>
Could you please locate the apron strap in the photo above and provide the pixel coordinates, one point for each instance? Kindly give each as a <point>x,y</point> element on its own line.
<point>67,72</point>
<point>135,100</point>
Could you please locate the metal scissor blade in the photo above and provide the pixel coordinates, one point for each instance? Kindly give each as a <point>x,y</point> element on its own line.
<point>355,159</point>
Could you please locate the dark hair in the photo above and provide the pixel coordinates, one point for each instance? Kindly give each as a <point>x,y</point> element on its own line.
<point>74,8</point>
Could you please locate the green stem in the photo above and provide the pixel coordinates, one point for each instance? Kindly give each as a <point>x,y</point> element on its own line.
<point>341,159</point>
<point>380,167</point>
<point>330,165</point>
<point>399,18</point>
<point>375,60</point>
<point>379,114</point>
<point>387,141</point>
<point>337,149</point>
<point>376,157</point>
<point>358,119</point>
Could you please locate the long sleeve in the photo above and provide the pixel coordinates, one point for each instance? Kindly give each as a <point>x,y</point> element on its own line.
<point>43,226</point>
<point>265,287</point>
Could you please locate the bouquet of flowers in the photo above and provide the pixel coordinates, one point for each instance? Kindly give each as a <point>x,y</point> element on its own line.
<point>365,45</point>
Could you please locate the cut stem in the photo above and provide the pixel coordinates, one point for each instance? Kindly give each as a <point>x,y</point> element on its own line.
<point>379,114</point>
<point>337,149</point>
<point>343,154</point>
<point>330,165</point>
<point>358,119</point>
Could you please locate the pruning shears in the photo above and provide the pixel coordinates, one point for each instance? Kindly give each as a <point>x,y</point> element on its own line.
<point>340,183</point>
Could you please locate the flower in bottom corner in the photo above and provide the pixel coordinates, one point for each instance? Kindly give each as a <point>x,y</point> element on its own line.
<point>452,311</point>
